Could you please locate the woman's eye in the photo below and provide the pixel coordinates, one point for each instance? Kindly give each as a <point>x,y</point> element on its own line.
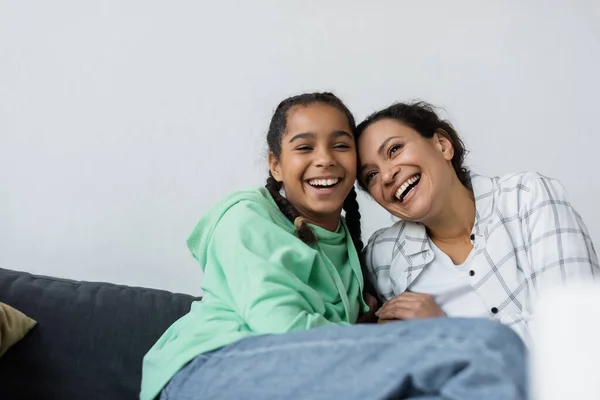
<point>369,177</point>
<point>395,149</point>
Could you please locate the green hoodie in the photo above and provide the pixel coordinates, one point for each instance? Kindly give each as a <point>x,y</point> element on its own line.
<point>259,278</point>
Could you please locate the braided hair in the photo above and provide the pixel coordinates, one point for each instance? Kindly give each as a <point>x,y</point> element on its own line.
<point>275,134</point>
<point>274,138</point>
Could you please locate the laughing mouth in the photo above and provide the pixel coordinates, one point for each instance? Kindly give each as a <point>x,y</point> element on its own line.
<point>407,186</point>
<point>324,183</point>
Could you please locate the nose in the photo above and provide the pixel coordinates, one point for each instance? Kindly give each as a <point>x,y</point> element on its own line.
<point>388,174</point>
<point>325,158</point>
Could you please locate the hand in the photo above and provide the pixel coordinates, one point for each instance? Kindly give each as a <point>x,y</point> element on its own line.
<point>369,316</point>
<point>410,305</point>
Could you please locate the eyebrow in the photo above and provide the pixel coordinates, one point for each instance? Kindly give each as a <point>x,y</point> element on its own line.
<point>385,142</point>
<point>362,169</point>
<point>309,135</point>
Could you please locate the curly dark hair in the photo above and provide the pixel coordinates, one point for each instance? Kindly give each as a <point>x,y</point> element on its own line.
<point>423,118</point>
<point>276,132</point>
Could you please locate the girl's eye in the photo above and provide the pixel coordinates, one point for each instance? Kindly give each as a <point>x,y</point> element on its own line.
<point>341,146</point>
<point>394,149</point>
<point>304,147</point>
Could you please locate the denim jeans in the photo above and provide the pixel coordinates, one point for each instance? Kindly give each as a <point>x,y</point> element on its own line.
<point>442,358</point>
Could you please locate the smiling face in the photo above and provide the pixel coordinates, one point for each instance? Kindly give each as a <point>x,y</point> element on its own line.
<point>406,173</point>
<point>317,164</point>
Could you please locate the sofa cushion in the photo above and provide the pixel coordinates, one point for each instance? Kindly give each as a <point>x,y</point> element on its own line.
<point>14,325</point>
<point>90,338</point>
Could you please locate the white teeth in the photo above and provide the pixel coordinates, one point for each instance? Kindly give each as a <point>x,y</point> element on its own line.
<point>405,185</point>
<point>323,182</point>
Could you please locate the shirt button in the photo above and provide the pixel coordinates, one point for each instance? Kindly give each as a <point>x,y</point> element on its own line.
<point>471,272</point>
<point>494,310</point>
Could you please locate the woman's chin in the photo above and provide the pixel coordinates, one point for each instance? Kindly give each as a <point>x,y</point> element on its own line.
<point>415,212</point>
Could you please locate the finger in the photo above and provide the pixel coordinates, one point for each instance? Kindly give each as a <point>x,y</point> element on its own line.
<point>398,305</point>
<point>390,306</point>
<point>403,302</point>
<point>398,313</point>
<point>414,309</point>
<point>408,299</point>
<point>411,296</point>
<point>406,310</point>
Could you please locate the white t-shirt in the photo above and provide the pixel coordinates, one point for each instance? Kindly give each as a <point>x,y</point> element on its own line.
<point>527,238</point>
<point>450,286</point>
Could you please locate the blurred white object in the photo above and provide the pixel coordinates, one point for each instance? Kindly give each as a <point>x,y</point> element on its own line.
<point>566,344</point>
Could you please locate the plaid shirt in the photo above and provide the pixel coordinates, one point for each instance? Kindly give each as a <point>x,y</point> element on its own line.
<point>527,236</point>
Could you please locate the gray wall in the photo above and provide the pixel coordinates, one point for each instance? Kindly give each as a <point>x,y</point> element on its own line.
<point>121,122</point>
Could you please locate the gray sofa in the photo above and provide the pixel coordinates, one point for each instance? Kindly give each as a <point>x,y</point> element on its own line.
<point>89,340</point>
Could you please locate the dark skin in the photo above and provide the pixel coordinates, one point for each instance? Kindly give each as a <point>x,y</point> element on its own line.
<point>370,316</point>
<point>457,249</point>
<point>318,143</point>
<point>390,153</point>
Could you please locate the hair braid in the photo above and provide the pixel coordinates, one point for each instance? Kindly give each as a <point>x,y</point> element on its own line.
<point>303,231</point>
<point>353,224</point>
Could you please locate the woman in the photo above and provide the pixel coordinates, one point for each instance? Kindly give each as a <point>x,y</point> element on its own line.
<point>283,283</point>
<point>466,245</point>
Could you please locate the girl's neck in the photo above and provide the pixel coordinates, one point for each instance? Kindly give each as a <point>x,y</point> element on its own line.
<point>329,223</point>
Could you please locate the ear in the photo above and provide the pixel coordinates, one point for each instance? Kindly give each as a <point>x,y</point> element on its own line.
<point>444,144</point>
<point>275,167</point>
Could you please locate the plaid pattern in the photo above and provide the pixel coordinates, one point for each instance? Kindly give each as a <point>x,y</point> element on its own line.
<point>527,237</point>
